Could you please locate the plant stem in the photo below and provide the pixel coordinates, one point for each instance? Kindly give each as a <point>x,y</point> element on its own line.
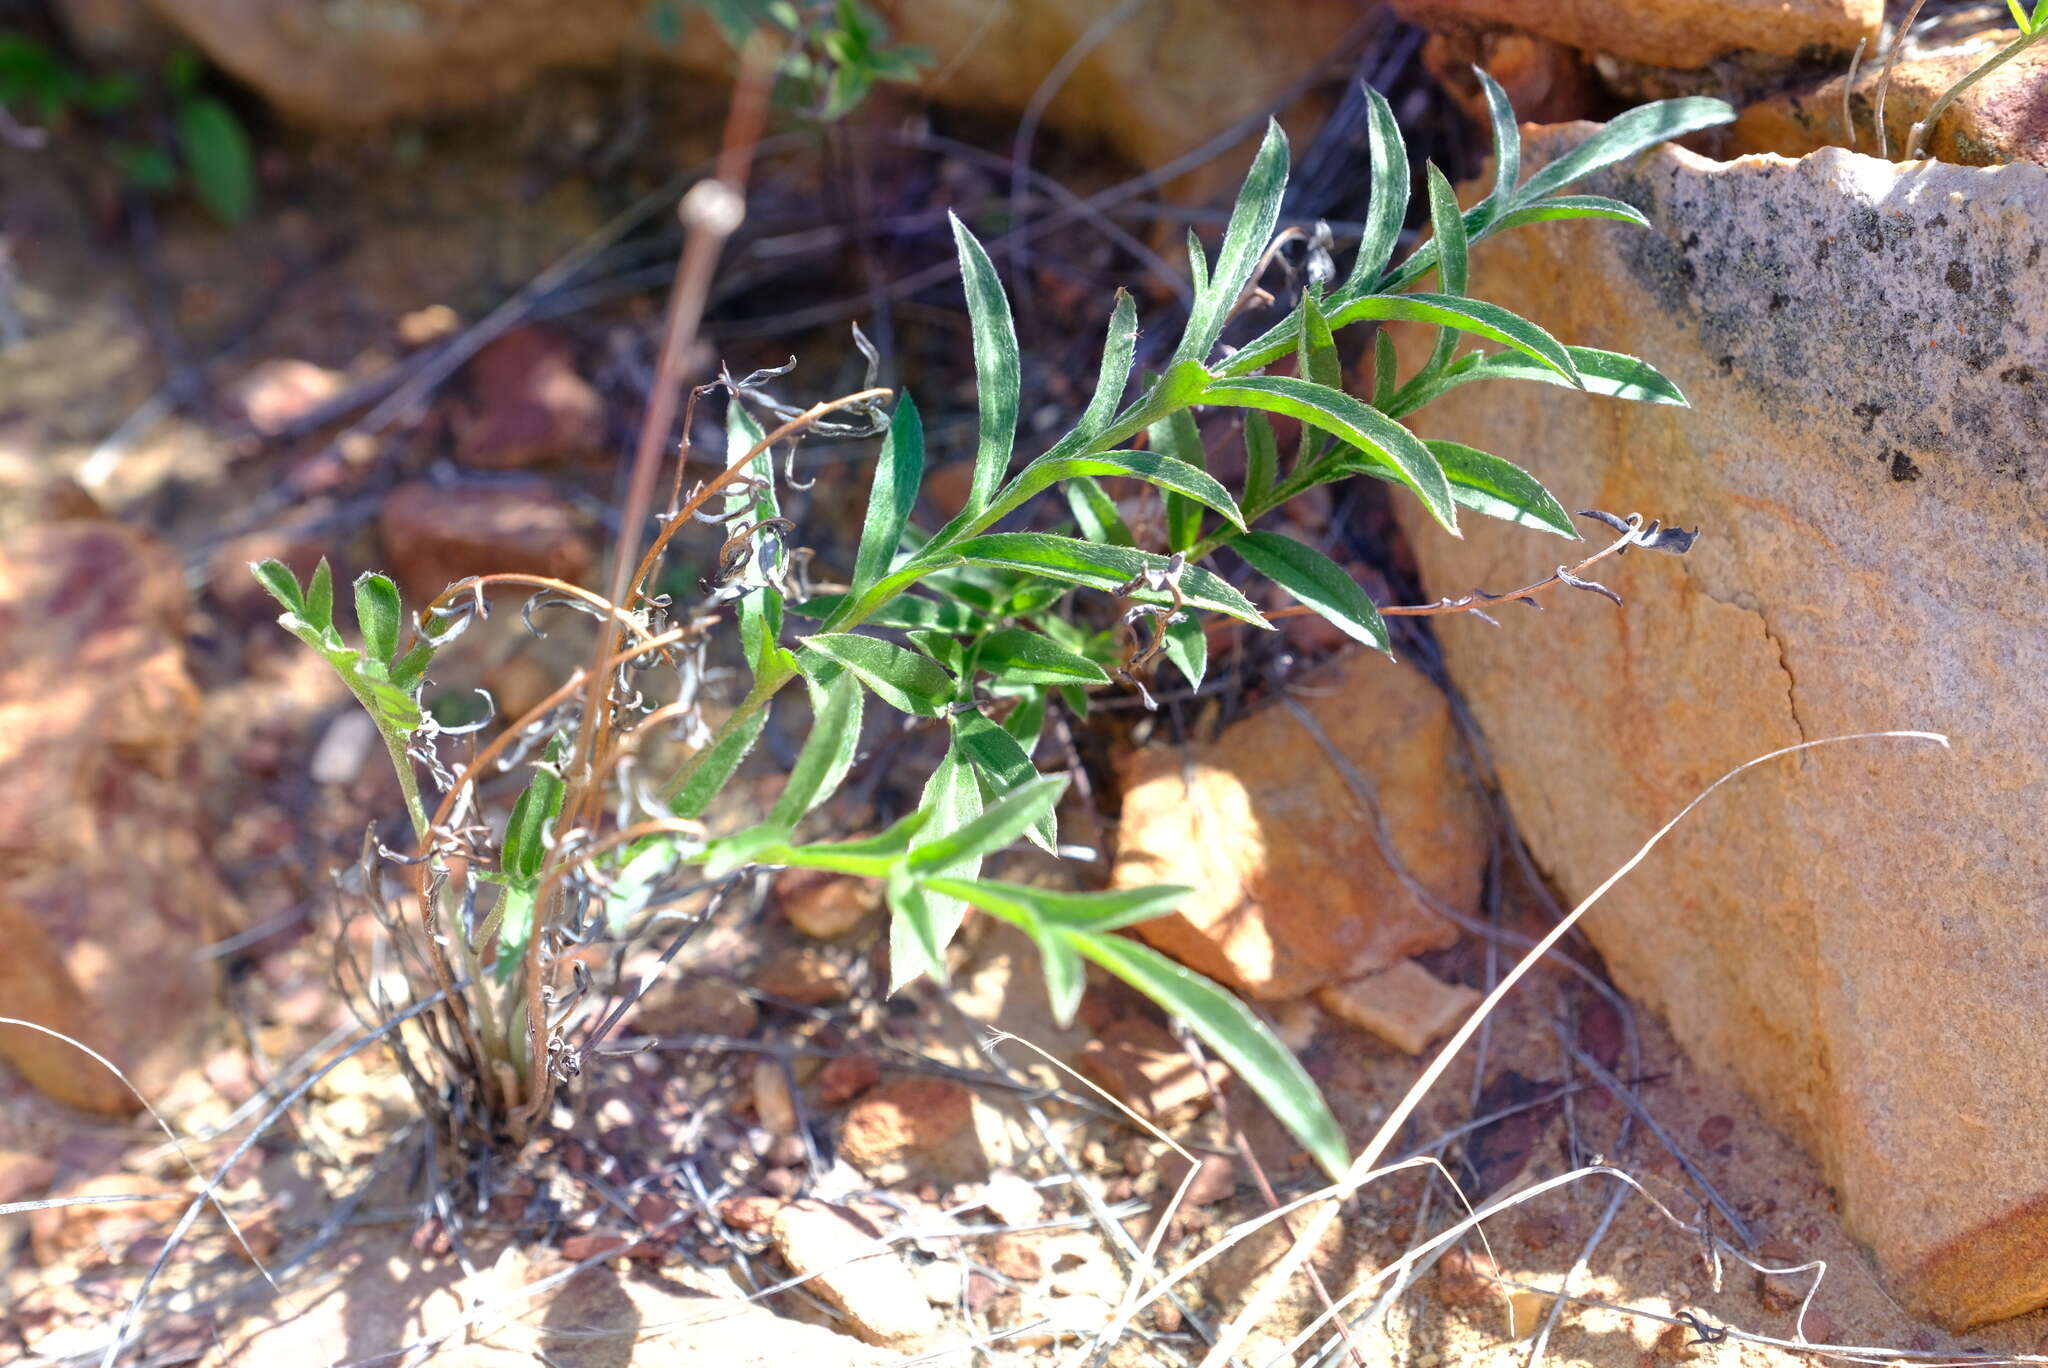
<point>1940,107</point>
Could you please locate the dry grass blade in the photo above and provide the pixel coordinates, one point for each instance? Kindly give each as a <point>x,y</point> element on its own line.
<point>1269,1289</point>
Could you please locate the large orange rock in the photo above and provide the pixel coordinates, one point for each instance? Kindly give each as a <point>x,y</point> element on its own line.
<point>1855,934</point>
<point>1163,81</point>
<point>2000,119</point>
<point>1291,890</point>
<point>1687,34</point>
<point>109,888</point>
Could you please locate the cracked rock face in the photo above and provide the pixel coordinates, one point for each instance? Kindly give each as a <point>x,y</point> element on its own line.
<point>1856,934</point>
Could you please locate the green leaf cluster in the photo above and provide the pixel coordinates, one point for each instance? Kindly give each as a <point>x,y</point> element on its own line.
<point>969,628</point>
<point>209,153</point>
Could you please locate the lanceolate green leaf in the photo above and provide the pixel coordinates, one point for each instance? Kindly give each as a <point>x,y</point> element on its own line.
<point>760,611</point>
<point>1017,655</point>
<point>1001,760</point>
<point>1244,242</point>
<point>923,923</point>
<point>1107,568</point>
<point>1103,912</point>
<point>379,615</point>
<point>1642,127</point>
<point>1187,646</point>
<point>218,157</point>
<point>900,677</point>
<point>1166,470</point>
<point>1015,813</point>
<point>1177,438</point>
<point>904,611</point>
<point>827,754</point>
<point>1447,230</point>
<point>1342,416</point>
<point>1507,151</point>
<point>1319,582</point>
<point>711,772</point>
<point>1318,349</point>
<point>277,578</point>
<point>1573,207</point>
<point>1095,512</point>
<point>319,607</point>
<point>1026,720</point>
<point>997,368</point>
<point>1261,458</point>
<point>899,471</point>
<point>523,848</point>
<point>1118,349</point>
<point>1500,489</point>
<point>1389,155</point>
<point>1227,1027</point>
<point>1475,316</point>
<point>1601,372</point>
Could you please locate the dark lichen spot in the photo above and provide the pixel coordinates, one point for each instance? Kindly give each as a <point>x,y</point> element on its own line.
<point>1727,365</point>
<point>1869,411</point>
<point>2034,255</point>
<point>1869,229</point>
<point>2017,375</point>
<point>1821,250</point>
<point>1958,276</point>
<point>1690,240</point>
<point>1903,468</point>
<point>1779,301</point>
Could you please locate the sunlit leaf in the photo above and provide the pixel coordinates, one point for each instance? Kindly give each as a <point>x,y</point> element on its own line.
<point>900,677</point>
<point>1318,582</point>
<point>997,367</point>
<point>1105,567</point>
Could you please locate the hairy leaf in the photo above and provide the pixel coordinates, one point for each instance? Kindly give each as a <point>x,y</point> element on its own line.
<point>1316,580</point>
<point>1105,567</point>
<point>1017,655</point>
<point>899,471</point>
<point>1244,242</point>
<point>1499,489</point>
<point>716,765</point>
<point>1642,127</point>
<point>1227,1026</point>
<point>1261,458</point>
<point>1475,316</point>
<point>1187,646</point>
<point>1181,478</point>
<point>1572,207</point>
<point>827,754</point>
<point>1389,206</point>
<point>1095,512</point>
<point>900,677</point>
<point>922,924</point>
<point>1368,429</point>
<point>996,365</point>
<point>379,615</point>
<point>1176,438</point>
<point>523,848</point>
<point>1015,813</point>
<point>1002,762</point>
<point>1507,152</point>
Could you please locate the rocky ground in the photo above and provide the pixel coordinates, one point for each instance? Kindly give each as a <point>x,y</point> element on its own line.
<point>778,1162</point>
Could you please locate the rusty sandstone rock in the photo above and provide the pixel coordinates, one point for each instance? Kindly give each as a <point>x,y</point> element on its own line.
<point>1163,82</point>
<point>1291,889</point>
<point>2002,118</point>
<point>1854,934</point>
<point>435,535</point>
<point>1686,34</point>
<point>109,885</point>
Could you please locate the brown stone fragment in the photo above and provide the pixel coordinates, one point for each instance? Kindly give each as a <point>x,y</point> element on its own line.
<point>1139,1063</point>
<point>852,1267</point>
<point>1292,891</point>
<point>820,903</point>
<point>1406,1006</point>
<point>1687,34</point>
<point>915,1124</point>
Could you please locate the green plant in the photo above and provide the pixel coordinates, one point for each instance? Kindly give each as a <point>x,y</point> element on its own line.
<point>2032,24</point>
<point>969,627</point>
<point>205,149</point>
<point>834,52</point>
